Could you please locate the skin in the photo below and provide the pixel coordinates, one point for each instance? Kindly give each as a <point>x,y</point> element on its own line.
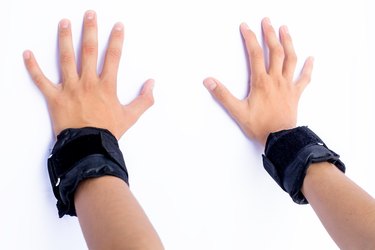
<point>87,98</point>
<point>272,102</point>
<point>346,210</point>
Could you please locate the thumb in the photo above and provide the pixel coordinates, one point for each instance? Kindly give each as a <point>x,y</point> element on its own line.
<point>223,96</point>
<point>143,101</point>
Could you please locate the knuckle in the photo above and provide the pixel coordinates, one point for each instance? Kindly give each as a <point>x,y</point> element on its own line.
<point>114,53</point>
<point>257,53</point>
<point>38,79</point>
<point>89,82</point>
<point>291,56</point>
<point>69,77</point>
<point>260,81</point>
<point>89,49</point>
<point>66,58</point>
<point>106,81</point>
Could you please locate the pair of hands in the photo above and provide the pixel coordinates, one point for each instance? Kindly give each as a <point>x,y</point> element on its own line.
<point>88,99</point>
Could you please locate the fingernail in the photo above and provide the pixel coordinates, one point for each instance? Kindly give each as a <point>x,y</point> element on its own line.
<point>210,84</point>
<point>64,24</point>
<point>119,27</point>
<point>245,26</point>
<point>149,86</point>
<point>26,55</point>
<point>286,30</point>
<point>267,21</point>
<point>90,15</point>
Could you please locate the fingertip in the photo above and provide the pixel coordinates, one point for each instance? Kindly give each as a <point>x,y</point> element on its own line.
<point>210,83</point>
<point>309,63</point>
<point>27,55</point>
<point>64,24</point>
<point>28,59</point>
<point>244,26</point>
<point>266,21</point>
<point>148,87</point>
<point>148,92</point>
<point>119,27</point>
<point>90,15</point>
<point>305,77</point>
<point>151,84</point>
<point>284,29</point>
<point>311,60</point>
<point>244,29</point>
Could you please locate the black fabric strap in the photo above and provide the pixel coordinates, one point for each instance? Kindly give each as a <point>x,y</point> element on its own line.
<point>80,154</point>
<point>75,150</point>
<point>289,153</point>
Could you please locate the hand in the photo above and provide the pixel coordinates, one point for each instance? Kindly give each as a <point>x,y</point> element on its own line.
<point>89,99</point>
<point>272,102</point>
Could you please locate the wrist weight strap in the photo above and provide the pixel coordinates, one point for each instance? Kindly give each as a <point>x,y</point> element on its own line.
<point>288,154</point>
<point>80,154</point>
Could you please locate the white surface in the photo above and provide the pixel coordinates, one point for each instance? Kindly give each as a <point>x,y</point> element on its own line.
<point>199,179</point>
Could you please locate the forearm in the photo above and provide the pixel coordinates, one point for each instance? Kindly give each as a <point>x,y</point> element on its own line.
<point>346,210</point>
<point>111,218</point>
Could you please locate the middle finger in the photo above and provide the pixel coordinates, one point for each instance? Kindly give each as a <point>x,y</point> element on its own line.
<point>89,43</point>
<point>276,51</point>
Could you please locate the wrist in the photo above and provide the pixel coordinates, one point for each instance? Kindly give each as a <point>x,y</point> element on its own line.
<point>289,154</point>
<point>263,139</point>
<point>80,154</point>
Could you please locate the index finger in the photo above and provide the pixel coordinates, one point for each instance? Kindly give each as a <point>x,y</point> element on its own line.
<point>254,51</point>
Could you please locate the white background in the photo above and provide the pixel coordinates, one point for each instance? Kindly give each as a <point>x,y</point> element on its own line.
<point>198,178</point>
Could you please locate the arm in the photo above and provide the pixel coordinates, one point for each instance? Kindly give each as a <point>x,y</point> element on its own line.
<point>347,212</point>
<point>109,215</point>
<point>345,209</point>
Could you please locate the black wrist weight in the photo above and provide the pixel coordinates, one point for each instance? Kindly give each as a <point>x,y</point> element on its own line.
<point>80,154</point>
<point>288,154</point>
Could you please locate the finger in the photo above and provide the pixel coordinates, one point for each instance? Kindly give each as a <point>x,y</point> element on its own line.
<point>67,58</point>
<point>276,51</point>
<point>290,59</point>
<point>305,76</point>
<point>223,96</point>
<point>45,85</point>
<point>89,43</point>
<point>254,50</point>
<point>113,54</point>
<point>144,101</point>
